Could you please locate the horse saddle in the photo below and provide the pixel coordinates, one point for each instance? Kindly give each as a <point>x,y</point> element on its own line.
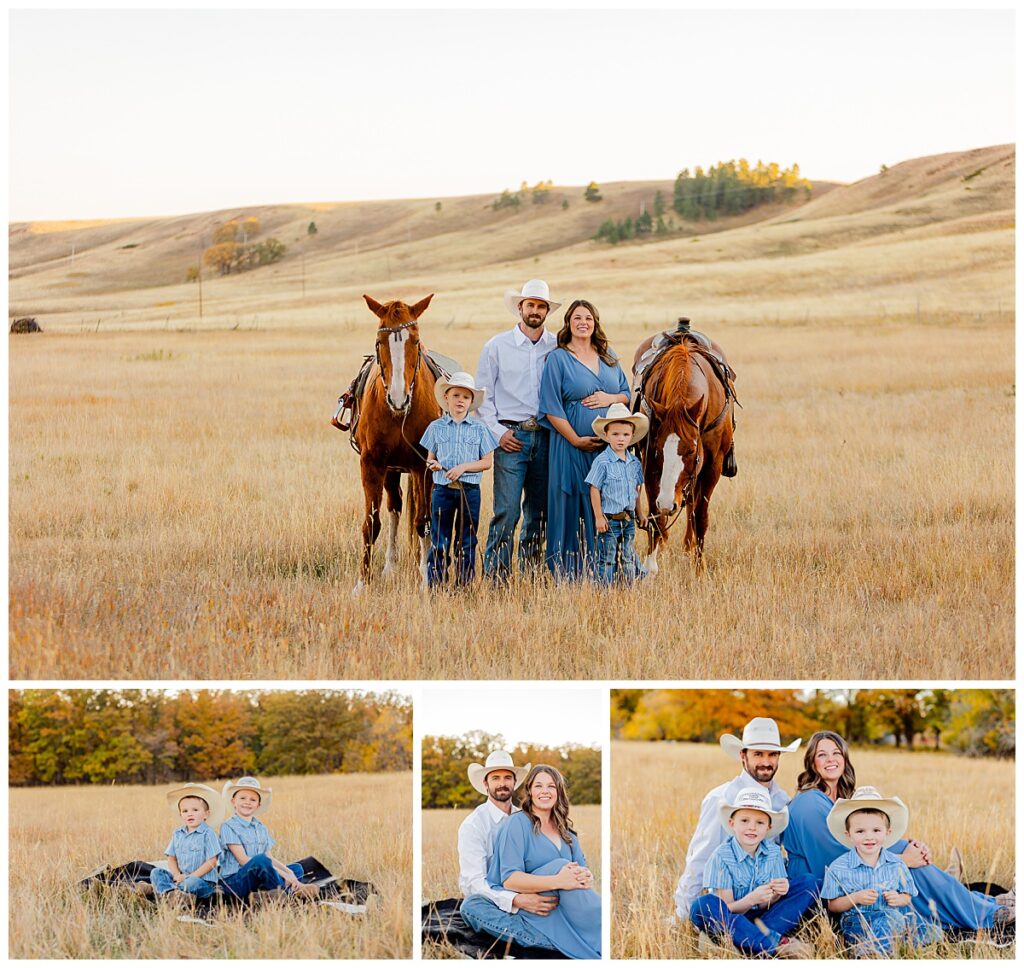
<point>697,342</point>
<point>441,922</point>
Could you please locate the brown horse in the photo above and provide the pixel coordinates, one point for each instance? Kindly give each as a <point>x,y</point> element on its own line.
<point>690,435</point>
<point>397,405</point>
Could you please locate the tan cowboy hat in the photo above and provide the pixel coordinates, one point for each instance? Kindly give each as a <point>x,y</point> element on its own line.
<point>498,760</point>
<point>868,798</point>
<point>754,799</point>
<point>253,785</point>
<point>760,733</point>
<point>213,800</point>
<point>619,413</point>
<point>466,382</point>
<point>534,289</point>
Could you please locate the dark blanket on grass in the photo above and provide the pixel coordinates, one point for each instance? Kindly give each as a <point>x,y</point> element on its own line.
<point>442,922</point>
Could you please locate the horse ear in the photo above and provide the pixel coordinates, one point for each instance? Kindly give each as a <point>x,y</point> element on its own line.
<point>375,307</point>
<point>418,309</point>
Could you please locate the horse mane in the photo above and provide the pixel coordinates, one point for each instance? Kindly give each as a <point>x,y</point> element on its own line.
<point>394,313</point>
<point>672,380</point>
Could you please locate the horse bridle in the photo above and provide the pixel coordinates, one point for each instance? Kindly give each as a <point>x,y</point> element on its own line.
<point>390,331</point>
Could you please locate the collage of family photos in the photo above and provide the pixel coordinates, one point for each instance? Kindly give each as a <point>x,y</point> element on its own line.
<point>495,486</point>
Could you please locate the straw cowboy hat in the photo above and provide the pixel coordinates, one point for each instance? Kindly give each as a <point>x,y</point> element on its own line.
<point>868,798</point>
<point>213,800</point>
<point>754,799</point>
<point>619,413</point>
<point>759,734</point>
<point>498,760</point>
<point>253,785</point>
<point>534,289</point>
<point>465,381</point>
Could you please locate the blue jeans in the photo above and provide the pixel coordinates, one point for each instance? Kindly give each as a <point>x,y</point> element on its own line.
<point>879,932</point>
<point>616,552</point>
<point>163,883</point>
<point>454,514</point>
<point>709,913</point>
<point>484,915</point>
<point>524,471</point>
<point>257,874</point>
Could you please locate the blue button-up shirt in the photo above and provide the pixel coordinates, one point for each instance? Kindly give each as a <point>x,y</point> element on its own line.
<point>192,849</point>
<point>848,874</point>
<point>458,442</point>
<point>732,867</point>
<point>252,835</point>
<point>617,480</point>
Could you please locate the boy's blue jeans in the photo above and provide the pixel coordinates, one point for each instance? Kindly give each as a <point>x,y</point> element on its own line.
<point>257,874</point>
<point>525,470</point>
<point>484,915</point>
<point>163,883</point>
<point>710,914</point>
<point>616,552</point>
<point>454,514</point>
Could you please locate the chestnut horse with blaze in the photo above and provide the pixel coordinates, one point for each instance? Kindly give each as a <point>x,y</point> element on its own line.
<point>396,407</point>
<point>690,410</point>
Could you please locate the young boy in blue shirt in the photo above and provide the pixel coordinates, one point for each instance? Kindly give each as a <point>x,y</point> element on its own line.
<point>615,479</point>
<point>751,899</point>
<point>194,851</point>
<point>245,862</point>
<point>460,448</point>
<point>869,887</point>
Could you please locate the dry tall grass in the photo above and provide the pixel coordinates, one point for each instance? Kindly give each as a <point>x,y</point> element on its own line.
<point>657,789</point>
<point>359,826</point>
<point>441,857</point>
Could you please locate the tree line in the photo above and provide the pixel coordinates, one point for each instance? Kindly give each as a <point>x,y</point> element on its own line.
<point>974,722</point>
<point>154,736</point>
<point>233,251</point>
<point>731,187</point>
<point>446,760</point>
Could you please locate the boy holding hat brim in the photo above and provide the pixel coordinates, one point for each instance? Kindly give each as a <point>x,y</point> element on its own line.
<point>751,898</point>
<point>615,480</point>
<point>246,864</point>
<point>194,851</point>
<point>460,448</point>
<point>869,887</point>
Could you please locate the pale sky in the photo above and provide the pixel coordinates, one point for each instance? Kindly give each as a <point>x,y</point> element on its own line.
<point>146,112</point>
<point>539,714</point>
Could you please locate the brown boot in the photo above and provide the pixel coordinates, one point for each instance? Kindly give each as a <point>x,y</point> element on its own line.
<point>309,891</point>
<point>144,888</point>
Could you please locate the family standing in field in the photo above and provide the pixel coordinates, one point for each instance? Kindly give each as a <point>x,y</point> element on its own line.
<point>843,844</point>
<point>550,414</point>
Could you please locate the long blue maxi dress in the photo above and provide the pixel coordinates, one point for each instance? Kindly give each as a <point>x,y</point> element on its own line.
<point>810,848</point>
<point>564,382</point>
<point>574,927</point>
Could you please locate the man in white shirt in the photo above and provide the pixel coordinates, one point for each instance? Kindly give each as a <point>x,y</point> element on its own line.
<point>486,908</point>
<point>509,370</point>
<point>759,751</point>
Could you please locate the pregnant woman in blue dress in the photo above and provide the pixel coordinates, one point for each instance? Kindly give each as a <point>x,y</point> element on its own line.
<point>810,847</point>
<point>581,380</point>
<point>536,851</point>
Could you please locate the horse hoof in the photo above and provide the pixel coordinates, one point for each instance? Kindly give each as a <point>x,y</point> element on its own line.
<point>651,564</point>
<point>389,567</point>
<point>359,588</point>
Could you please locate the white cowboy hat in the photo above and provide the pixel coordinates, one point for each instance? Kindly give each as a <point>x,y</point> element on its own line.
<point>619,413</point>
<point>465,381</point>
<point>759,734</point>
<point>498,760</point>
<point>252,784</point>
<point>213,800</point>
<point>534,289</point>
<point>868,798</point>
<point>752,799</point>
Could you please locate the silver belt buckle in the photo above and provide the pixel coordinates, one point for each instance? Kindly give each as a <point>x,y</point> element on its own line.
<point>529,424</point>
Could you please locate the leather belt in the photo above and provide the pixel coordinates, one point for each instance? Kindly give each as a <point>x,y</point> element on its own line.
<point>530,423</point>
<point>621,516</point>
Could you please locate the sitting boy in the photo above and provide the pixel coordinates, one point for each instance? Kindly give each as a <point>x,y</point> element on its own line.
<point>194,850</point>
<point>869,887</point>
<point>752,900</point>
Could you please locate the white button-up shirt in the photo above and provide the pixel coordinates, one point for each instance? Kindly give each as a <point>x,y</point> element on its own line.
<point>710,834</point>
<point>476,845</point>
<point>509,370</point>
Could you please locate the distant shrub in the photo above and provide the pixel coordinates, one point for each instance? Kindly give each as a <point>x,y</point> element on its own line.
<point>592,193</point>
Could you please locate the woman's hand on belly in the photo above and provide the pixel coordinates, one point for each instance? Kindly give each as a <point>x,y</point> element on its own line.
<point>599,398</point>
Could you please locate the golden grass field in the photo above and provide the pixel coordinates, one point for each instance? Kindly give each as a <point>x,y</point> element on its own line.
<point>180,505</point>
<point>657,790</point>
<point>358,825</point>
<point>441,858</point>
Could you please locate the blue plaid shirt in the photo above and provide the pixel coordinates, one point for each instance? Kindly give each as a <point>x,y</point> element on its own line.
<point>848,874</point>
<point>617,480</point>
<point>253,837</point>
<point>458,442</point>
<point>730,866</point>
<point>193,849</point>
